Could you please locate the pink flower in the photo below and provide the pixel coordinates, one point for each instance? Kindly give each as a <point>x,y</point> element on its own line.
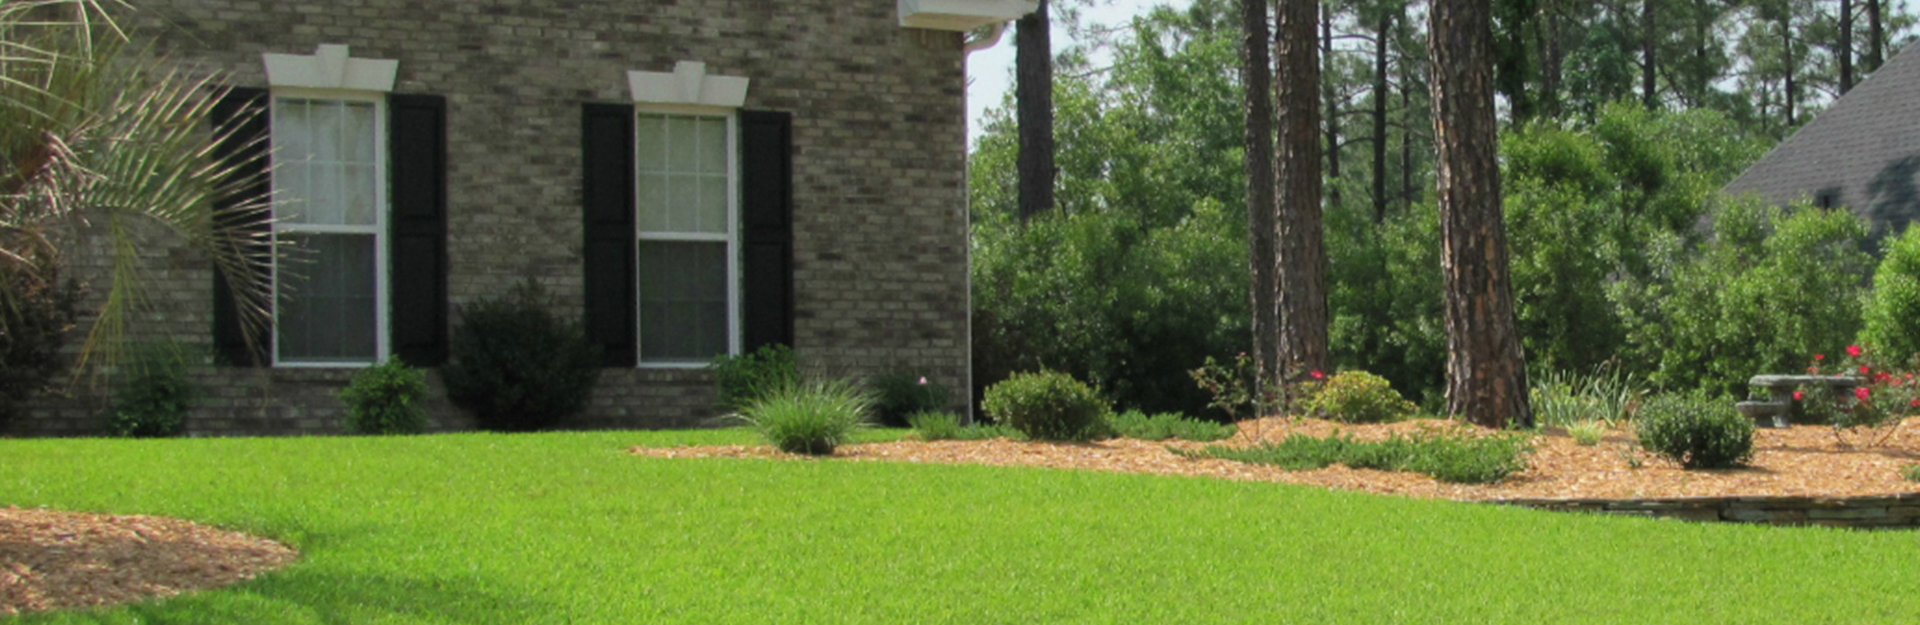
<point>1813,369</point>
<point>923,380</point>
<point>1853,350</point>
<point>1864,370</point>
<point>1318,375</point>
<point>1799,395</point>
<point>1861,393</point>
<point>1915,403</point>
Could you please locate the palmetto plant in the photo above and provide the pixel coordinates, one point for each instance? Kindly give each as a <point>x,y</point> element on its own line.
<point>93,132</point>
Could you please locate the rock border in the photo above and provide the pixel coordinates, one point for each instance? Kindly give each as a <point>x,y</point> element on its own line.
<point>1900,511</point>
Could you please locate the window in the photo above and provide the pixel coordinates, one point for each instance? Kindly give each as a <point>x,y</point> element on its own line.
<point>686,205</point>
<point>330,209</point>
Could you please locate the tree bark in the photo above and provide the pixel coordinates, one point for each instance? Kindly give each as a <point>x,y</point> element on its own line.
<point>1332,107</point>
<point>1302,267</point>
<point>1876,36</point>
<point>1845,50</point>
<point>1786,49</point>
<point>1648,66</point>
<point>1033,103</point>
<point>1380,93</point>
<point>1486,370</point>
<point>1552,58</point>
<point>1256,73</point>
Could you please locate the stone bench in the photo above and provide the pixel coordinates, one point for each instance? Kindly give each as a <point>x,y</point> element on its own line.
<point>1774,412</point>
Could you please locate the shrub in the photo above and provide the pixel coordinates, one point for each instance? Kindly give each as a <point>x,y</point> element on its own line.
<point>516,366</point>
<point>1892,313</point>
<point>1696,431</point>
<point>384,399</point>
<point>155,396</point>
<point>1139,425</point>
<point>1047,405</point>
<point>942,426</point>
<point>36,311</point>
<point>743,379</point>
<point>1448,457</point>
<point>897,395</point>
<point>1359,397</point>
<point>810,418</point>
<point>1586,433</point>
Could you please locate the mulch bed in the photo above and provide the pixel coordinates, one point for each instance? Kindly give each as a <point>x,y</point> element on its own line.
<point>1803,461</point>
<point>51,560</point>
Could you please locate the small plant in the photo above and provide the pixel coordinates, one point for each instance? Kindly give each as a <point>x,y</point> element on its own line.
<point>1695,431</point>
<point>1047,405</point>
<point>1167,425</point>
<point>935,426</point>
<point>1448,457</point>
<point>155,396</point>
<point>518,367</point>
<point>810,418</point>
<point>1237,390</point>
<point>1587,433</point>
<point>1607,395</point>
<point>385,399</point>
<point>1359,397</point>
<point>1911,472</point>
<point>743,379</point>
<point>899,395</point>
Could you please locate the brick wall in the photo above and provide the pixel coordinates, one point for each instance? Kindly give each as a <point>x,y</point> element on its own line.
<point>880,244</point>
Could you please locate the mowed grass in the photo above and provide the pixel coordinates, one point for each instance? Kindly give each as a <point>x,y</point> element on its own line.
<point>567,528</point>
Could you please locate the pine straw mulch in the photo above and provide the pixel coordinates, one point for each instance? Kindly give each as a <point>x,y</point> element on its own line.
<point>1802,461</point>
<point>51,560</point>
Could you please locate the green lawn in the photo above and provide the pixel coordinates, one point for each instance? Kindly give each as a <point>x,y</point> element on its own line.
<point>566,528</point>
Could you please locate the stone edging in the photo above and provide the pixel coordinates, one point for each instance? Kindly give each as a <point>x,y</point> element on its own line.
<point>1900,511</point>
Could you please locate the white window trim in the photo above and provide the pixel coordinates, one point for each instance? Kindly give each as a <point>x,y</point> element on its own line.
<point>382,314</point>
<point>732,235</point>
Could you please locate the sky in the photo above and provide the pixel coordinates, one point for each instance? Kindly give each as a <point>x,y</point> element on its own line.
<point>990,71</point>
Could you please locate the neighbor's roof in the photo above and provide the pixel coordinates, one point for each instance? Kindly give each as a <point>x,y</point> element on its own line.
<point>1863,152</point>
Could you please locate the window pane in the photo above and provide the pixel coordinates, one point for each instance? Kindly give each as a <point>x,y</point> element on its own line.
<point>683,203</point>
<point>357,190</point>
<point>326,131</point>
<point>683,301</point>
<point>713,205</point>
<point>652,201</point>
<point>651,142</point>
<point>713,145</point>
<point>683,149</point>
<point>290,129</point>
<point>323,204</point>
<point>327,304</point>
<point>357,138</point>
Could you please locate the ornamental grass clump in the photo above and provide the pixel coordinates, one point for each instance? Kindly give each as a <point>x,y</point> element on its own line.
<point>1587,433</point>
<point>1047,405</point>
<point>811,417</point>
<point>1696,431</point>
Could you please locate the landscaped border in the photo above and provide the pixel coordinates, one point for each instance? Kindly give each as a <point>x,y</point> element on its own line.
<point>1900,511</point>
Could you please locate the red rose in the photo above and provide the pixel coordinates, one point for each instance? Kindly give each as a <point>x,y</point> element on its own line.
<point>1853,350</point>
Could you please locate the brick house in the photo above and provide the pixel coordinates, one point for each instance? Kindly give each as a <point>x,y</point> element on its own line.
<point>690,178</point>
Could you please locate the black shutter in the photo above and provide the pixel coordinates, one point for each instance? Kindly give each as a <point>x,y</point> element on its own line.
<point>766,237</point>
<point>241,118</point>
<point>417,163</point>
<point>606,197</point>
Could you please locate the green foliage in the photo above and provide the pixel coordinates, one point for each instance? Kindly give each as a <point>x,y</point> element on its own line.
<point>1167,425</point>
<point>811,417</point>
<point>945,426</point>
<point>1047,405</point>
<point>1911,472</point>
<point>1587,433</point>
<point>385,399</point>
<point>1607,396</point>
<point>1768,287</point>
<point>743,379</point>
<point>900,395</point>
<point>1695,430</point>
<point>1892,314</point>
<point>518,367</point>
<point>155,396</point>
<point>1384,297</point>
<point>36,312</point>
<point>1446,456</point>
<point>1359,397</point>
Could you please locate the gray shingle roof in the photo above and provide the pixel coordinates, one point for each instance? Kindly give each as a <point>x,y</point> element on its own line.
<point>1862,153</point>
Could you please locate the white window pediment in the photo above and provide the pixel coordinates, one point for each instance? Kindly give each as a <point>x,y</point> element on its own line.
<point>961,15</point>
<point>688,84</point>
<point>330,67</point>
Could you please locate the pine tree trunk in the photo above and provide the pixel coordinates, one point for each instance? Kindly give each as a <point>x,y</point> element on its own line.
<point>1876,36</point>
<point>1302,267</point>
<point>1332,108</point>
<point>1648,66</point>
<point>1256,72</point>
<point>1552,58</point>
<point>1380,93</point>
<point>1033,103</point>
<point>1486,371</point>
<point>1845,50</point>
<point>1786,48</point>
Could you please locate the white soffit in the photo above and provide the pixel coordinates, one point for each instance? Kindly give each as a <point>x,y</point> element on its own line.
<point>962,15</point>
<point>687,84</point>
<point>330,68</point>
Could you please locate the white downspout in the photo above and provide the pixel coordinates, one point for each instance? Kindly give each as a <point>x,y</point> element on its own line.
<point>990,40</point>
